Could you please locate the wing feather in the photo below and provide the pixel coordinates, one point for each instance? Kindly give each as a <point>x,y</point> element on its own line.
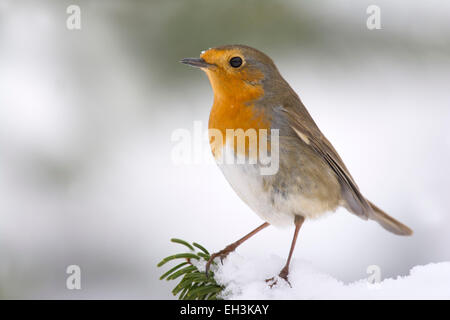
<point>306,129</point>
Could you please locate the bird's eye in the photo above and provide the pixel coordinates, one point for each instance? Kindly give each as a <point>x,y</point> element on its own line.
<point>236,62</point>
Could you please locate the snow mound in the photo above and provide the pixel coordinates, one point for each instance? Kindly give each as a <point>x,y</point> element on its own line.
<point>244,279</point>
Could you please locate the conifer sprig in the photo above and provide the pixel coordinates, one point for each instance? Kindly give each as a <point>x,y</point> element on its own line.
<point>194,284</point>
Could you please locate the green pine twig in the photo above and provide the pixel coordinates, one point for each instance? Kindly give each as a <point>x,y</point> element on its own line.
<point>194,284</point>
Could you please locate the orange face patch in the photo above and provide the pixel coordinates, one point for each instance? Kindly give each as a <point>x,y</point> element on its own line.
<point>240,84</point>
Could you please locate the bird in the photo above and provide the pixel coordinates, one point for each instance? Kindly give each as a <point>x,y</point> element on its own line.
<point>311,178</point>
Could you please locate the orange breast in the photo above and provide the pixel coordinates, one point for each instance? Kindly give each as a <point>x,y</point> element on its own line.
<point>244,119</point>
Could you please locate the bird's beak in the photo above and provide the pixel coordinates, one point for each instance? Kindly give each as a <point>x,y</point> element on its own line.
<point>196,62</point>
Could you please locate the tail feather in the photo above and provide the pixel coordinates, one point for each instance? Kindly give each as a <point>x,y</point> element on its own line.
<point>388,222</point>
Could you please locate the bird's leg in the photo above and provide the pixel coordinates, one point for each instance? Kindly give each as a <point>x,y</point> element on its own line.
<point>285,271</point>
<point>230,248</point>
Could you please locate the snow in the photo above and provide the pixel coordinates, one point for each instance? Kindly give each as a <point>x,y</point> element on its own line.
<point>244,279</point>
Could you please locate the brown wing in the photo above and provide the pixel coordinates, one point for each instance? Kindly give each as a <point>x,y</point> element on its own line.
<point>304,126</point>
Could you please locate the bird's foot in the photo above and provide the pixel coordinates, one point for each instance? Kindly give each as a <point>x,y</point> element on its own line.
<point>222,254</point>
<point>283,275</point>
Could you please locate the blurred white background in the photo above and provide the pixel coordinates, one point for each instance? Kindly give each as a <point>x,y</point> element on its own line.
<point>86,118</point>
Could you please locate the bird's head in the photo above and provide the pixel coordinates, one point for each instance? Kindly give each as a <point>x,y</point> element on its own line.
<point>236,72</point>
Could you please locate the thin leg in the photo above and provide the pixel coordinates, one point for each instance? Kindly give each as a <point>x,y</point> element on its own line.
<point>285,271</point>
<point>230,248</point>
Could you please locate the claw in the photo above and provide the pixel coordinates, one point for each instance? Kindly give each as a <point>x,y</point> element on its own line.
<point>283,275</point>
<point>273,281</point>
<point>222,254</point>
<point>208,265</point>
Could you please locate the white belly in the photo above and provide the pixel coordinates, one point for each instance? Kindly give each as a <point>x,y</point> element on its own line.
<point>278,198</point>
<point>248,182</point>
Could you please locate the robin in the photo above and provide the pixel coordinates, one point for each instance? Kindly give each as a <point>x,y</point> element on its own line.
<point>311,180</point>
